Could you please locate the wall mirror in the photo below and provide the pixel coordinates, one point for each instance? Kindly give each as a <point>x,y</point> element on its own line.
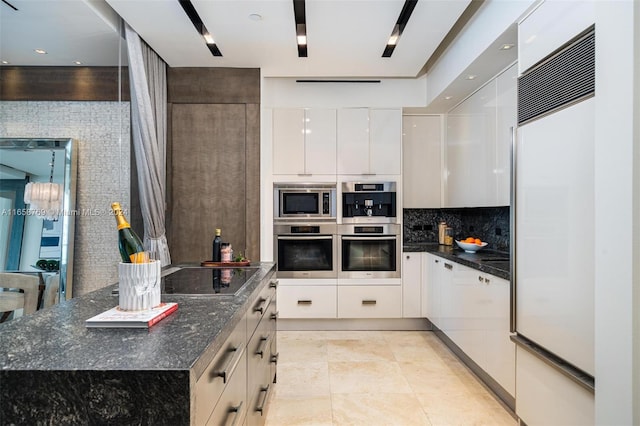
<point>30,241</point>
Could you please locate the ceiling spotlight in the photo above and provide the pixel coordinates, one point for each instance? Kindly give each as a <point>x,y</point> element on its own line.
<point>403,18</point>
<point>299,13</point>
<point>191,12</point>
<point>507,46</point>
<point>5,62</point>
<point>255,17</point>
<point>448,97</point>
<point>40,51</point>
<point>77,62</point>
<point>471,77</point>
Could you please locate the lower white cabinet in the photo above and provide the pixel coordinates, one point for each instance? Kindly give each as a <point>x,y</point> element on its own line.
<point>412,285</point>
<point>547,397</point>
<point>369,301</point>
<point>473,309</point>
<point>308,301</point>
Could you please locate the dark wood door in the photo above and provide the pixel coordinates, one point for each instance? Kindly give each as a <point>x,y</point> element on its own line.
<point>208,179</point>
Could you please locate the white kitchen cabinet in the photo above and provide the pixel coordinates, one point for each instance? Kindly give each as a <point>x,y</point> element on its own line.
<point>421,161</point>
<point>369,141</point>
<point>304,141</point>
<point>370,301</point>
<point>438,277</point>
<point>478,145</point>
<point>549,26</point>
<point>547,397</point>
<point>308,301</point>
<point>412,285</point>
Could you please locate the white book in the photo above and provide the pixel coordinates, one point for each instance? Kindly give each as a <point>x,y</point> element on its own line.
<point>118,318</point>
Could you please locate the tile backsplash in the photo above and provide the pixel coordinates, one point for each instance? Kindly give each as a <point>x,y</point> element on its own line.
<point>491,224</point>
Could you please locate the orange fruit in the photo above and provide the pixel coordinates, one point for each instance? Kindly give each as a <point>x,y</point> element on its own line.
<point>478,241</point>
<point>470,240</point>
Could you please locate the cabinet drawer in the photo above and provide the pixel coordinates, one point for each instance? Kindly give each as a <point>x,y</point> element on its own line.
<point>259,307</point>
<point>216,376</point>
<point>370,302</point>
<point>232,406</point>
<point>307,301</point>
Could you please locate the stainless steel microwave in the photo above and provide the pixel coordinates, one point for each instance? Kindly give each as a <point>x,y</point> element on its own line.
<point>304,201</point>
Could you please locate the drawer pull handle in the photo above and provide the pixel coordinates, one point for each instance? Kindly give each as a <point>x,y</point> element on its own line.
<point>235,411</point>
<point>487,280</point>
<point>264,390</point>
<point>260,307</point>
<point>369,302</point>
<point>274,316</point>
<point>263,343</point>
<point>480,278</point>
<point>227,369</point>
<point>273,284</point>
<point>274,358</point>
<point>304,302</point>
<point>448,265</point>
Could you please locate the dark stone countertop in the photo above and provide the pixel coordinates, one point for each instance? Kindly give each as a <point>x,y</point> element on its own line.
<point>490,261</point>
<point>82,375</point>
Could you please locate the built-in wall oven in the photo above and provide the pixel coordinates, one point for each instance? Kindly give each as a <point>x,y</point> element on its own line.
<point>369,251</point>
<point>304,201</point>
<point>306,250</point>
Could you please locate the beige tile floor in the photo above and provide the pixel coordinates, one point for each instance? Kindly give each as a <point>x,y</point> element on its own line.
<point>372,378</point>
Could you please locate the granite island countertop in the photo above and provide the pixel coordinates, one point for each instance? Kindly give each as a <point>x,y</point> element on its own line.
<point>53,349</point>
<point>492,262</point>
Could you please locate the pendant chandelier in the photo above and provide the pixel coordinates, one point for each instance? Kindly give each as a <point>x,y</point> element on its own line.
<point>44,198</point>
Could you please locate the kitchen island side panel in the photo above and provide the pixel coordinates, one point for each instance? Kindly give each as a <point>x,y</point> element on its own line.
<point>94,397</point>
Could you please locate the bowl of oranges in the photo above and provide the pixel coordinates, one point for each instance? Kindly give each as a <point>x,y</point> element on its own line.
<point>471,244</point>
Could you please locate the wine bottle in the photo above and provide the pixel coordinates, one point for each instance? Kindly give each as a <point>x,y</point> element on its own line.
<point>217,245</point>
<point>128,242</point>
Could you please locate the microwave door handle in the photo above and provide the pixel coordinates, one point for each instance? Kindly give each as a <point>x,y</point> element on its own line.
<point>307,237</point>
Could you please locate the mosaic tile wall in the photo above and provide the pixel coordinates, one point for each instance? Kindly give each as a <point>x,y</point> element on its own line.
<point>102,134</point>
<point>491,224</point>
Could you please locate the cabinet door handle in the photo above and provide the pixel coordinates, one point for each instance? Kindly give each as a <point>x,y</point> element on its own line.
<point>436,261</point>
<point>487,280</point>
<point>274,358</point>
<point>260,407</point>
<point>260,307</point>
<point>480,278</point>
<point>273,284</point>
<point>235,411</point>
<point>368,302</point>
<point>408,257</point>
<point>274,316</point>
<point>448,265</point>
<point>227,369</point>
<point>261,347</point>
<point>305,302</point>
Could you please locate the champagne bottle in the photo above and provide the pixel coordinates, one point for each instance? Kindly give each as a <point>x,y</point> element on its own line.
<point>128,242</point>
<point>217,245</point>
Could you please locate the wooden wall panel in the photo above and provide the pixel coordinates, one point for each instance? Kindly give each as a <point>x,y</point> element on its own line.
<point>252,159</point>
<point>214,85</point>
<point>63,84</point>
<point>208,179</point>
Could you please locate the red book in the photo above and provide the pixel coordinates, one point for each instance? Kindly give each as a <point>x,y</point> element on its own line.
<point>118,318</point>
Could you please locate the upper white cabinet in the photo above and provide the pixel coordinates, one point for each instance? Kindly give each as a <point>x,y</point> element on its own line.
<point>478,145</point>
<point>304,141</point>
<point>369,141</point>
<point>549,26</point>
<point>421,161</point>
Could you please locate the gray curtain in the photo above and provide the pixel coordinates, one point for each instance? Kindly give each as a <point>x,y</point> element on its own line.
<point>148,82</point>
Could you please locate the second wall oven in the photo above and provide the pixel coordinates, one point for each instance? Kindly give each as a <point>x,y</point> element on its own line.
<point>369,251</point>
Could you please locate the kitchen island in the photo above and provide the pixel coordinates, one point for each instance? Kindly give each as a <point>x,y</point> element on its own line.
<point>54,370</point>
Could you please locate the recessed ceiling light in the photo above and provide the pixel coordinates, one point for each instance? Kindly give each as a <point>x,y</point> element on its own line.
<point>401,23</point>
<point>302,40</point>
<point>40,51</point>
<point>448,97</point>
<point>507,46</point>
<point>191,12</point>
<point>209,38</point>
<point>5,62</point>
<point>255,17</point>
<point>300,18</point>
<point>471,77</point>
<point>77,62</point>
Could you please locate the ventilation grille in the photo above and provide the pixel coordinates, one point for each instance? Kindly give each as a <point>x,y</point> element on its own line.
<point>563,78</point>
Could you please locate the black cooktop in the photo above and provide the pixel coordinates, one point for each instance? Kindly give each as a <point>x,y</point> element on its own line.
<point>207,281</point>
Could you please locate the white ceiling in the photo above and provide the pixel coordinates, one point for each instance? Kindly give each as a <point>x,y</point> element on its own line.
<point>346,38</point>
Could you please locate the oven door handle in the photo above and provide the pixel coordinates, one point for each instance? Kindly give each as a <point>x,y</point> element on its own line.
<point>308,237</point>
<point>372,237</point>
